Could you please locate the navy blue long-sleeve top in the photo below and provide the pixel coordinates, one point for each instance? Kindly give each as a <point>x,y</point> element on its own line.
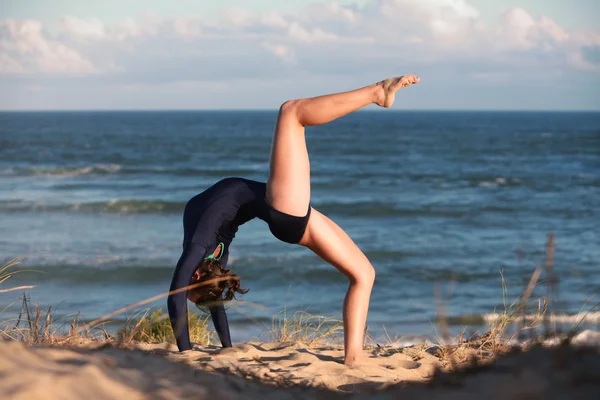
<point>210,218</point>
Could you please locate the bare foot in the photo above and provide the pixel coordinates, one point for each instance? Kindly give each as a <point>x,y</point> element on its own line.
<point>390,87</point>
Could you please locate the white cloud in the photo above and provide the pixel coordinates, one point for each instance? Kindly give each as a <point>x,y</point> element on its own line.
<point>524,31</point>
<point>544,38</point>
<point>83,29</point>
<point>273,19</point>
<point>9,65</point>
<point>280,51</point>
<point>189,27</point>
<point>24,48</point>
<point>326,37</point>
<point>332,11</point>
<point>238,17</point>
<point>551,28</point>
<point>446,21</point>
<point>299,33</point>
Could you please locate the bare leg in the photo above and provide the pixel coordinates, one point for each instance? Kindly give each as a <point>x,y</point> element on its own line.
<point>326,239</point>
<point>288,190</point>
<point>288,186</point>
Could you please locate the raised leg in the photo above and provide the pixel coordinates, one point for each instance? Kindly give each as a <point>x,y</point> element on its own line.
<point>288,186</point>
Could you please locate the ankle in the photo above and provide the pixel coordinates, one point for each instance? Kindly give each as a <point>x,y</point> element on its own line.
<point>355,358</point>
<point>377,93</point>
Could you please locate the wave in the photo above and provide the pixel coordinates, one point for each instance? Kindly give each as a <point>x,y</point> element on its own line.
<point>199,172</point>
<point>123,206</point>
<point>558,318</point>
<point>496,182</point>
<point>586,338</point>
<point>359,209</point>
<point>379,209</point>
<point>563,318</point>
<point>98,169</point>
<point>97,275</point>
<point>104,169</point>
<point>264,270</point>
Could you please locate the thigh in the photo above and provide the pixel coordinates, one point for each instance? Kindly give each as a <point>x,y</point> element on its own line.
<point>326,239</point>
<point>288,186</point>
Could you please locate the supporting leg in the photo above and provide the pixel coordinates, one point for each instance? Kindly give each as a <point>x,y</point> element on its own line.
<point>326,239</point>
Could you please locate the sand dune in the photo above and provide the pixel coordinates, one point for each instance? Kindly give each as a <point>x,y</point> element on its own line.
<point>285,371</point>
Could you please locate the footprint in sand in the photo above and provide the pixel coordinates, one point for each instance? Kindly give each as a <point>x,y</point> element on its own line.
<point>399,361</point>
<point>243,351</point>
<point>403,365</point>
<point>297,360</point>
<point>372,371</point>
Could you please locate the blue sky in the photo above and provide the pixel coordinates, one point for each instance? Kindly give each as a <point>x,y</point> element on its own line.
<point>185,54</point>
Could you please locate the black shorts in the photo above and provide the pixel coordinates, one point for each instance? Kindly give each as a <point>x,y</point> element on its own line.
<point>285,227</point>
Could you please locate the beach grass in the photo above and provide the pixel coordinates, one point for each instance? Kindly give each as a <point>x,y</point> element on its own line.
<point>8,270</point>
<point>36,325</point>
<point>153,326</point>
<point>308,329</point>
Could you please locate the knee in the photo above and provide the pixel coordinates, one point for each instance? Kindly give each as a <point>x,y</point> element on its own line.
<point>365,277</point>
<point>289,108</point>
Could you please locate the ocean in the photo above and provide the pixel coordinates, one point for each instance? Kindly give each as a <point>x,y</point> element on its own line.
<point>450,207</point>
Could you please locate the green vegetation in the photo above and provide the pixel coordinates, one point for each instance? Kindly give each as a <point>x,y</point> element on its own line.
<point>155,327</point>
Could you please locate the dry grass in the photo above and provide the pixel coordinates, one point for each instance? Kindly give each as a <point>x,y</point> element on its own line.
<point>35,325</point>
<point>6,273</point>
<point>155,327</point>
<point>302,327</point>
<point>523,315</point>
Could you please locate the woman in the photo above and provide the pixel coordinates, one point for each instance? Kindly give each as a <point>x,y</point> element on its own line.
<point>212,218</point>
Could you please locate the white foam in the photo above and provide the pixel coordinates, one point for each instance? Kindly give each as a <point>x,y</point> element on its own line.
<point>588,317</point>
<point>488,184</point>
<point>66,172</point>
<point>103,260</point>
<point>499,181</point>
<point>587,338</point>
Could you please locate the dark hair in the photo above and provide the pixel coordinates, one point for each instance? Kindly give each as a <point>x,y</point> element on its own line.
<point>223,288</point>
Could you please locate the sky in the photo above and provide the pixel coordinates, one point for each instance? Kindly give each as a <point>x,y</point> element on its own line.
<point>227,54</point>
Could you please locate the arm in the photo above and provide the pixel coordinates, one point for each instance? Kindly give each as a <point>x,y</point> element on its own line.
<point>177,303</point>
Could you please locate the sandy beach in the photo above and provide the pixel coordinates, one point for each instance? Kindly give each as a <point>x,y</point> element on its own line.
<point>258,370</point>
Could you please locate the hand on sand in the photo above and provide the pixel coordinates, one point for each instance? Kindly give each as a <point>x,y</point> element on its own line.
<point>391,86</point>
